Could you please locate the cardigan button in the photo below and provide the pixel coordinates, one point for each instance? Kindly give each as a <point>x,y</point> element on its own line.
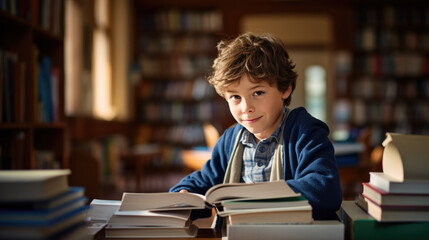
<point>260,164</point>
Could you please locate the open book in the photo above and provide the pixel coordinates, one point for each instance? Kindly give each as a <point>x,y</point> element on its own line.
<point>405,157</point>
<point>216,194</point>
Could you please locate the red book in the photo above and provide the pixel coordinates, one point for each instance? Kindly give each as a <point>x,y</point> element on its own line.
<point>394,213</point>
<point>384,198</point>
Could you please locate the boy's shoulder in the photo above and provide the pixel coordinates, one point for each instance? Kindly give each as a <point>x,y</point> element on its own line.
<point>299,118</point>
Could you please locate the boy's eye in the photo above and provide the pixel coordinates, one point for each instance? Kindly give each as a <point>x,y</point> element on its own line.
<point>258,93</point>
<point>234,97</point>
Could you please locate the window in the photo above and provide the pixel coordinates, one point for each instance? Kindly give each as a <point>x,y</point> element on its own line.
<point>315,91</point>
<point>96,75</point>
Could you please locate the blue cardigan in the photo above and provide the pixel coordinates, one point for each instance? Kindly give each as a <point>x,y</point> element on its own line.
<point>310,167</point>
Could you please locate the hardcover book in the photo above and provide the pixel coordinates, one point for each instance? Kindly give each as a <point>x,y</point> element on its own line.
<point>361,226</point>
<point>174,200</point>
<point>32,185</point>
<point>384,198</point>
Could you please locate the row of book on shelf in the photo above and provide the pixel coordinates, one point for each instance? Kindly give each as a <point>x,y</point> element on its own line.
<point>392,15</point>
<point>192,89</point>
<point>390,112</point>
<point>176,111</point>
<point>168,66</point>
<point>370,38</point>
<point>169,43</point>
<point>40,204</point>
<point>47,13</point>
<point>394,204</point>
<point>400,63</point>
<point>175,20</point>
<point>13,91</point>
<point>13,154</point>
<point>269,210</point>
<point>186,135</point>
<point>389,89</point>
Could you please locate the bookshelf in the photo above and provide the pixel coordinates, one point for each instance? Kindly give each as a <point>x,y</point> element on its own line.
<point>175,48</point>
<point>389,84</point>
<point>32,126</point>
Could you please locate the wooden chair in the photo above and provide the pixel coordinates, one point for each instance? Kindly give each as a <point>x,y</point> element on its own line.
<point>195,159</point>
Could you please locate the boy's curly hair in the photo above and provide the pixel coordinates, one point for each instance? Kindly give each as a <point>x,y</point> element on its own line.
<point>261,57</point>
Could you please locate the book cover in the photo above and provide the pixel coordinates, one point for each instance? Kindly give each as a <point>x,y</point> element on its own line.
<point>43,229</point>
<point>392,185</point>
<point>265,203</point>
<point>148,232</point>
<point>41,217</point>
<point>179,218</point>
<point>381,197</point>
<point>394,213</point>
<point>102,210</point>
<point>329,230</point>
<point>296,215</point>
<point>32,185</point>
<point>51,203</point>
<point>360,226</point>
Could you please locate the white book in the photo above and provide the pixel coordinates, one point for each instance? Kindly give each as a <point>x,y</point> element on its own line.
<point>102,210</point>
<point>392,185</point>
<point>32,185</point>
<point>179,218</point>
<point>329,230</point>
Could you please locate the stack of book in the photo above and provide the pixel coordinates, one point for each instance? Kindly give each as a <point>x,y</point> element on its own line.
<point>267,210</point>
<point>401,192</point>
<point>359,225</point>
<point>39,204</point>
<point>102,210</point>
<point>275,217</point>
<point>139,216</point>
<point>394,204</point>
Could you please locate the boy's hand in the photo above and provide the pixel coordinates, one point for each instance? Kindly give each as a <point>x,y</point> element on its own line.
<point>183,191</point>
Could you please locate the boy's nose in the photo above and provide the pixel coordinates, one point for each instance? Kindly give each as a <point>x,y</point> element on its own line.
<point>247,107</point>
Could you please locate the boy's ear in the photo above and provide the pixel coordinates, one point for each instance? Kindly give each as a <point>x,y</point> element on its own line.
<point>287,92</point>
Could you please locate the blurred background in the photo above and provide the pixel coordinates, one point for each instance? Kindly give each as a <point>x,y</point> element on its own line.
<point>116,90</point>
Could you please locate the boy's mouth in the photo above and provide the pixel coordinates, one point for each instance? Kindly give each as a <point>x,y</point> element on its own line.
<point>251,120</point>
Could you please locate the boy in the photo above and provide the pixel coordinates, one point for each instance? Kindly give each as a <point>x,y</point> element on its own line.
<point>270,142</point>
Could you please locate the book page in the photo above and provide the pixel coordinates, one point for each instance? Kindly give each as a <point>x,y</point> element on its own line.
<point>161,201</point>
<point>262,190</point>
<point>406,157</point>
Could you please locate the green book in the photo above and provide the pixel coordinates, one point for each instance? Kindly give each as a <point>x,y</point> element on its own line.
<point>359,225</point>
<point>294,201</point>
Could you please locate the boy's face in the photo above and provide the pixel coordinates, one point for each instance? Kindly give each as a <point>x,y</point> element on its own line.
<point>256,106</point>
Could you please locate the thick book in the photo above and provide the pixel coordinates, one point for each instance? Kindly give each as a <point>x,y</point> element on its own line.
<point>384,198</point>
<point>32,185</point>
<point>150,232</point>
<point>102,210</point>
<point>394,213</point>
<point>392,185</point>
<point>51,203</point>
<point>405,156</point>
<point>216,194</point>
<point>179,218</point>
<point>45,229</point>
<point>299,201</point>
<point>296,215</point>
<point>329,230</point>
<point>40,216</point>
<point>361,226</point>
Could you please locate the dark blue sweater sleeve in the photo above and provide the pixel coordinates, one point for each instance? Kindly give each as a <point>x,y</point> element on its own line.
<point>313,168</point>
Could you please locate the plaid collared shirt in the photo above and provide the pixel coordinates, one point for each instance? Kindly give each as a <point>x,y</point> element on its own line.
<point>257,157</point>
